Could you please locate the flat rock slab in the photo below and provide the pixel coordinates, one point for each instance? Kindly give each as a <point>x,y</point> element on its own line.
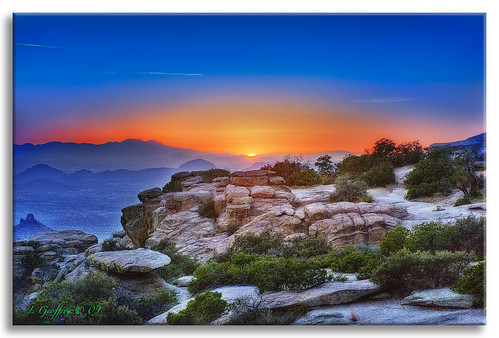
<point>229,293</point>
<point>444,298</point>
<point>129,261</point>
<point>330,293</point>
<point>390,312</point>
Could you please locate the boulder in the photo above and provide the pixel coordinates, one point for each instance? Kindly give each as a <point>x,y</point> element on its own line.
<point>262,192</point>
<point>276,180</point>
<point>140,285</point>
<point>149,194</point>
<point>129,261</point>
<point>232,192</point>
<point>315,211</point>
<point>183,281</point>
<point>329,293</point>
<point>237,214</point>
<point>249,180</point>
<point>444,298</point>
<point>22,250</point>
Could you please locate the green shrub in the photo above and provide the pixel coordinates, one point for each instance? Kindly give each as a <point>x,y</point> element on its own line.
<point>203,309</point>
<point>232,228</point>
<point>206,208</point>
<point>97,296</point>
<point>268,242</point>
<point>294,172</point>
<point>430,236</point>
<point>468,234</point>
<point>252,313</point>
<point>394,241</point>
<point>209,175</point>
<point>379,175</point>
<point>181,265</point>
<point>153,305</point>
<point>110,245</point>
<point>405,271</point>
<point>351,259</point>
<point>463,200</point>
<point>305,247</point>
<point>172,186</point>
<point>472,282</point>
<point>349,190</point>
<point>266,272</point>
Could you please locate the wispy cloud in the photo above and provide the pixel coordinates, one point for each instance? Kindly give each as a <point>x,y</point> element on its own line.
<point>37,45</point>
<point>167,74</point>
<point>386,100</point>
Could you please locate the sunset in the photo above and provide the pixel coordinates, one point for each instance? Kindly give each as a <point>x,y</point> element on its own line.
<point>256,88</point>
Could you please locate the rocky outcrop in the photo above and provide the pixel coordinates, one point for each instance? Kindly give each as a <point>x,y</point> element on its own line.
<point>129,261</point>
<point>250,201</point>
<point>442,298</point>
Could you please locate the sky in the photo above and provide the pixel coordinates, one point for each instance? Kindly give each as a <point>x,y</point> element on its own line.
<point>249,83</point>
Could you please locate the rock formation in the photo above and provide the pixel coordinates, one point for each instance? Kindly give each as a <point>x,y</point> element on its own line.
<point>249,201</point>
<point>29,227</point>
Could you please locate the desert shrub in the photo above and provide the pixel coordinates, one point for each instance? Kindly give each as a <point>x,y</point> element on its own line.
<point>209,175</point>
<point>232,228</point>
<point>405,271</point>
<point>250,312</point>
<point>431,175</point>
<point>172,186</point>
<point>394,241</point>
<point>266,272</point>
<point>349,190</point>
<point>379,175</point>
<point>472,282</point>
<point>96,296</point>
<point>268,242</point>
<point>203,309</point>
<point>110,245</point>
<point>351,259</point>
<point>294,172</point>
<point>468,234</point>
<point>206,208</point>
<point>305,247</point>
<point>153,305</point>
<point>463,200</point>
<point>181,265</point>
<point>430,236</point>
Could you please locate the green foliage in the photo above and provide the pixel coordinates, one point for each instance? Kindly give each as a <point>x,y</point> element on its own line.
<point>252,313</point>
<point>472,282</point>
<point>268,242</point>
<point>153,305</point>
<point>349,190</point>
<point>463,200</point>
<point>405,271</point>
<point>325,165</point>
<point>209,175</point>
<point>467,234</point>
<point>96,295</point>
<point>203,309</point>
<point>172,186</point>
<point>294,172</point>
<point>305,247</point>
<point>431,175</point>
<point>181,265</point>
<point>430,236</point>
<point>379,175</point>
<point>394,241</point>
<point>266,272</point>
<point>206,208</point>
<point>110,245</point>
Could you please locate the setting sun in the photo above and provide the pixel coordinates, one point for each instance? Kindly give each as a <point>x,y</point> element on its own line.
<point>251,155</point>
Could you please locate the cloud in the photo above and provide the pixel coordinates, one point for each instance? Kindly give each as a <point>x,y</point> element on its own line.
<point>167,74</point>
<point>37,45</point>
<point>387,100</point>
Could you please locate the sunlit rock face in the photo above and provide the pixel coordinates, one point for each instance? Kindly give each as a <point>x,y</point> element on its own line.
<point>250,202</point>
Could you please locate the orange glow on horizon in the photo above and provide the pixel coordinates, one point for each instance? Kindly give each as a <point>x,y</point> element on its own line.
<point>252,128</point>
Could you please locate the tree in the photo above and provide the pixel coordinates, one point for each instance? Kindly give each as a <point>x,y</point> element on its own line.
<point>465,176</point>
<point>325,165</point>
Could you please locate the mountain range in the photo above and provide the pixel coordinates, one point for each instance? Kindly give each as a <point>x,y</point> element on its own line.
<point>135,154</point>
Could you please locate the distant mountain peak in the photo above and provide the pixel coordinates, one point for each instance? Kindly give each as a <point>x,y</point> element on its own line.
<point>197,164</point>
<point>29,227</point>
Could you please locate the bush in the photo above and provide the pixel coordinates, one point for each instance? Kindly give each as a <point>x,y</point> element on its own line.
<point>294,172</point>
<point>472,282</point>
<point>266,272</point>
<point>463,200</point>
<point>351,259</point>
<point>250,312</point>
<point>181,265</point>
<point>172,186</point>
<point>206,208</point>
<point>305,247</point>
<point>96,294</point>
<point>349,190</point>
<point>468,234</point>
<point>203,309</point>
<point>209,175</point>
<point>394,241</point>
<point>110,245</point>
<point>153,305</point>
<point>268,242</point>
<point>405,271</point>
<point>379,175</point>
<point>430,236</point>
